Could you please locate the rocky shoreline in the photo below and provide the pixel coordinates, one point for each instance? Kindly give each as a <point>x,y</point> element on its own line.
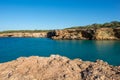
<point>57,67</point>
<point>72,34</point>
<point>88,34</point>
<point>24,34</point>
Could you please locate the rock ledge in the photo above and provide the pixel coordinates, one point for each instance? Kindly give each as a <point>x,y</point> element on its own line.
<point>57,67</point>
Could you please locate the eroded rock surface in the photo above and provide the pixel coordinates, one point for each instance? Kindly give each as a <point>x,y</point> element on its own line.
<point>26,34</point>
<point>71,34</point>
<point>57,67</point>
<point>89,34</point>
<point>105,34</point>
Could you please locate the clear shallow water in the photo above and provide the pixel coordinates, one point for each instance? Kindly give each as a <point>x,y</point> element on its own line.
<point>12,48</point>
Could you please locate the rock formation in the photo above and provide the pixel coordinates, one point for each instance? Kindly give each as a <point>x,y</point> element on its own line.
<point>105,34</point>
<point>24,34</point>
<point>72,34</point>
<point>57,67</point>
<point>89,34</point>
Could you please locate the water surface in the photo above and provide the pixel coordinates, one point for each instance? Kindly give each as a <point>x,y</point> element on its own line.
<point>12,48</point>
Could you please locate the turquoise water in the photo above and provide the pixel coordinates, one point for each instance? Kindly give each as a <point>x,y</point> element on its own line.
<point>12,48</point>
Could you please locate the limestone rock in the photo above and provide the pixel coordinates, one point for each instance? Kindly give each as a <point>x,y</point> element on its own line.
<point>57,67</point>
<point>105,34</point>
<point>89,34</point>
<point>72,34</point>
<point>25,34</point>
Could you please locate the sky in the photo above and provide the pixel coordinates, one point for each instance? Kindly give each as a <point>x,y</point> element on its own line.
<point>56,14</point>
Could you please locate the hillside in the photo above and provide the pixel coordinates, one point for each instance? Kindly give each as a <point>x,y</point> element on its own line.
<point>106,31</point>
<point>113,24</point>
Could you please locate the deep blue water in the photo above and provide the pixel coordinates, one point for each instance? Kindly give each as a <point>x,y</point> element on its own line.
<point>12,48</point>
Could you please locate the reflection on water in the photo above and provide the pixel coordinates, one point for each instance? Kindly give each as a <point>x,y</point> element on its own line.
<point>91,50</point>
<point>108,51</point>
<point>104,45</point>
<point>11,48</point>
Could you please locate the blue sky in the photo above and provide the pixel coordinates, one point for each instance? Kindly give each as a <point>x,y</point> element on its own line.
<point>56,14</point>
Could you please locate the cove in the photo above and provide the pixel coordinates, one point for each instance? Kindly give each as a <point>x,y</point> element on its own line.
<point>88,50</point>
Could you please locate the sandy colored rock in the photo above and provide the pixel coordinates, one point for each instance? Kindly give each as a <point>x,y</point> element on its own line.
<point>26,34</point>
<point>88,34</point>
<point>57,67</point>
<point>105,34</point>
<point>72,34</point>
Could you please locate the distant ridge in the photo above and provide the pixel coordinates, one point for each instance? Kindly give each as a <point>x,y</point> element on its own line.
<point>106,31</point>
<point>112,24</point>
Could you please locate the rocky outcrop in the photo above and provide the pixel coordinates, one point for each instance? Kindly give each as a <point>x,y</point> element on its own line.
<point>73,34</point>
<point>57,67</point>
<point>25,34</point>
<point>105,34</point>
<point>89,34</point>
<point>117,32</point>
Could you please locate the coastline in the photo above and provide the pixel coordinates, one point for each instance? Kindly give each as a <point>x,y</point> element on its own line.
<point>57,67</point>
<point>71,34</point>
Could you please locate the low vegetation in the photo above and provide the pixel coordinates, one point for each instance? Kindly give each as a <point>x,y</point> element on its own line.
<point>113,24</point>
<point>30,31</point>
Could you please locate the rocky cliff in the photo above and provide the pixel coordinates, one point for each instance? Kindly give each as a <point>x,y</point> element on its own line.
<point>72,34</point>
<point>24,34</point>
<point>89,34</point>
<point>57,67</point>
<point>105,34</point>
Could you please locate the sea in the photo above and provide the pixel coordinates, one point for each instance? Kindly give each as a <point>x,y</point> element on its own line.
<point>87,50</point>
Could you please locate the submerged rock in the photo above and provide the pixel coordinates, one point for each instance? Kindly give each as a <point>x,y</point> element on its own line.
<point>57,67</point>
